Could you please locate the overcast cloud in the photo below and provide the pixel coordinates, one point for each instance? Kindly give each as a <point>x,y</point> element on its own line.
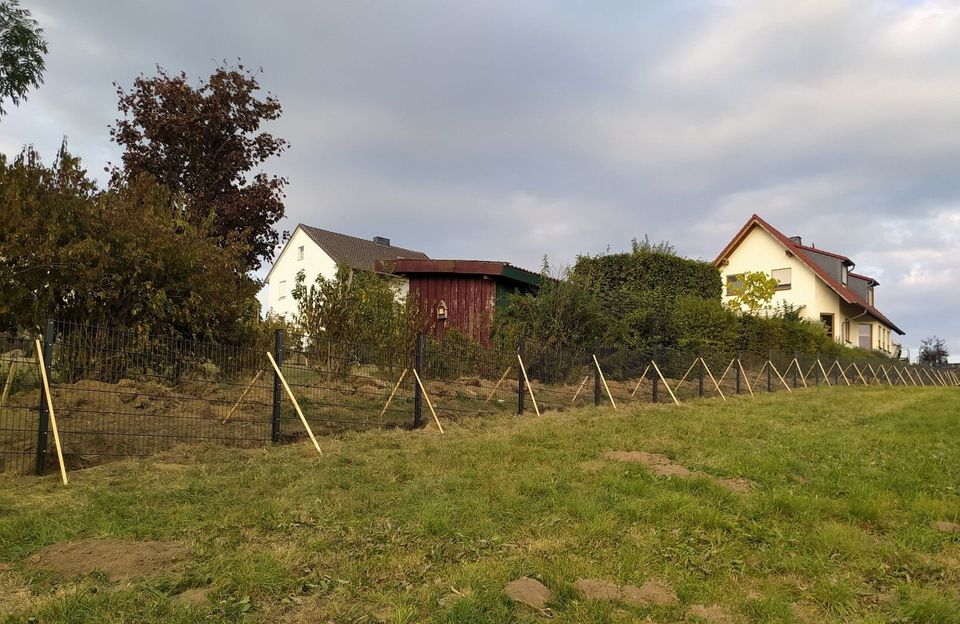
<point>511,130</point>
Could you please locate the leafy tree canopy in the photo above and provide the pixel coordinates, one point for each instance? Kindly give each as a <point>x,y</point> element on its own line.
<point>933,351</point>
<point>206,144</point>
<point>22,47</point>
<point>121,256</point>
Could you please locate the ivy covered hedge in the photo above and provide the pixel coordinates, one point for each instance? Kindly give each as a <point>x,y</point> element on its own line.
<point>620,278</point>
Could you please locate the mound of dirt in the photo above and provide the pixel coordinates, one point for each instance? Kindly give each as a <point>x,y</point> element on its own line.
<point>640,457</point>
<point>119,560</point>
<point>946,527</point>
<point>712,614</point>
<point>650,593</point>
<point>528,591</point>
<point>661,466</point>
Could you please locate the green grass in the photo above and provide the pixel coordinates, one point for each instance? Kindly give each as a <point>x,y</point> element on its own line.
<point>401,527</point>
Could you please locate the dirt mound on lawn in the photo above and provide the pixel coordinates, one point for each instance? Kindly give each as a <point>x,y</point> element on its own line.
<point>661,466</point>
<point>119,560</point>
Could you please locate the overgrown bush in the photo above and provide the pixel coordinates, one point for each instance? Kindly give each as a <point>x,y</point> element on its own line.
<point>355,318</point>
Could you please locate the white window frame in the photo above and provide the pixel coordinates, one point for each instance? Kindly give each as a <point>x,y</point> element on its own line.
<point>781,285</point>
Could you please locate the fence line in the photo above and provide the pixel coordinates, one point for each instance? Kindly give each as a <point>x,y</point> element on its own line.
<point>119,393</point>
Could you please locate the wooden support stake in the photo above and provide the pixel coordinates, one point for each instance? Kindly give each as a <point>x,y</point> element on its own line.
<point>604,380</point>
<point>727,370</point>
<point>499,381</point>
<point>760,374</point>
<point>429,402</point>
<point>899,374</point>
<point>293,400</point>
<point>860,373</point>
<point>707,368</point>
<point>523,369</point>
<point>887,375</point>
<point>240,400</point>
<point>53,417</point>
<point>642,377</point>
<point>577,393</point>
<point>395,388</point>
<point>873,373</point>
<point>910,375</point>
<point>843,373</point>
<point>800,371</point>
<point>665,384</point>
<point>9,384</point>
<point>782,380</point>
<point>826,377</point>
<point>746,378</point>
<point>684,378</point>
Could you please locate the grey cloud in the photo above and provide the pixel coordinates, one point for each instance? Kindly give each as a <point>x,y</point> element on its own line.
<point>512,130</point>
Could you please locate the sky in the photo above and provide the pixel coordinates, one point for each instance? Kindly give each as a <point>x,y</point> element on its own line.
<point>517,130</point>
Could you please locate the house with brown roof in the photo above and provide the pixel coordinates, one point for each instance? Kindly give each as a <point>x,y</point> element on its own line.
<point>316,252</point>
<point>819,283</point>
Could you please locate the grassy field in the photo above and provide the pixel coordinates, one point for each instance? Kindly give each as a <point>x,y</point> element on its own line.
<point>401,527</point>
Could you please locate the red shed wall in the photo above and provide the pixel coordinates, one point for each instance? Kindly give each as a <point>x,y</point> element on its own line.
<point>470,303</point>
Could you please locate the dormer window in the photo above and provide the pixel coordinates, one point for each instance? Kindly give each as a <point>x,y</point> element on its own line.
<point>843,274</point>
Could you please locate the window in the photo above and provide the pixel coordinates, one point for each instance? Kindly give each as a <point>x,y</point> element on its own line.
<point>843,274</point>
<point>870,295</point>
<point>282,288</point>
<point>827,320</point>
<point>866,335</point>
<point>734,284</point>
<point>783,278</point>
<point>846,331</point>
<point>300,252</point>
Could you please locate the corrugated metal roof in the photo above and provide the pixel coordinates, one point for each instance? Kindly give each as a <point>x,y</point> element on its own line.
<point>357,253</point>
<point>491,268</point>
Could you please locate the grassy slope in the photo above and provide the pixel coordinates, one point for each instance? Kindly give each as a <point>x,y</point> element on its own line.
<point>385,523</point>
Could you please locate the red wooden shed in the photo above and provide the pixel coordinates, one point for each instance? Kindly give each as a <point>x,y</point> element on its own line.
<point>462,294</point>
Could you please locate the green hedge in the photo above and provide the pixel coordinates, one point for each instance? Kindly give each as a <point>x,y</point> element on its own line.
<point>621,278</point>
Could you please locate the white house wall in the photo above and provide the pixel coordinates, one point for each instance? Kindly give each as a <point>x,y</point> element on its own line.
<point>283,276</point>
<point>759,251</point>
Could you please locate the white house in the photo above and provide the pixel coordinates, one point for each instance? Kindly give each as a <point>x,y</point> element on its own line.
<point>318,252</point>
<point>820,283</point>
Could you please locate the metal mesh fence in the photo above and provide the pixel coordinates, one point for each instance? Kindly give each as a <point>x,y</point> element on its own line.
<point>120,393</point>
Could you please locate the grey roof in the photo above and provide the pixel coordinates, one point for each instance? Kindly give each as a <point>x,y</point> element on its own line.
<point>357,253</point>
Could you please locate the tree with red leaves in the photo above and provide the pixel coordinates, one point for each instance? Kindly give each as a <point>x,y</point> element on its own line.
<point>206,143</point>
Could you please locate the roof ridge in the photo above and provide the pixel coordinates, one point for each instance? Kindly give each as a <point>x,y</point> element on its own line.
<point>356,238</point>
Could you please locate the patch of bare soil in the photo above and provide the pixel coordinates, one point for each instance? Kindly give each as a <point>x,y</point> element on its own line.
<point>658,594</point>
<point>661,466</point>
<point>713,614</point>
<point>118,559</point>
<point>197,596</point>
<point>528,591</point>
<point>737,484</point>
<point>650,593</point>
<point>946,527</point>
<point>640,457</point>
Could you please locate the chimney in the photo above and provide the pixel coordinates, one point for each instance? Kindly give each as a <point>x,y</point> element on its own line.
<point>383,242</point>
<point>796,240</point>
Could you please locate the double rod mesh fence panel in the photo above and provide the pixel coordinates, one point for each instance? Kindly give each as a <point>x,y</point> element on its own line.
<point>121,393</point>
